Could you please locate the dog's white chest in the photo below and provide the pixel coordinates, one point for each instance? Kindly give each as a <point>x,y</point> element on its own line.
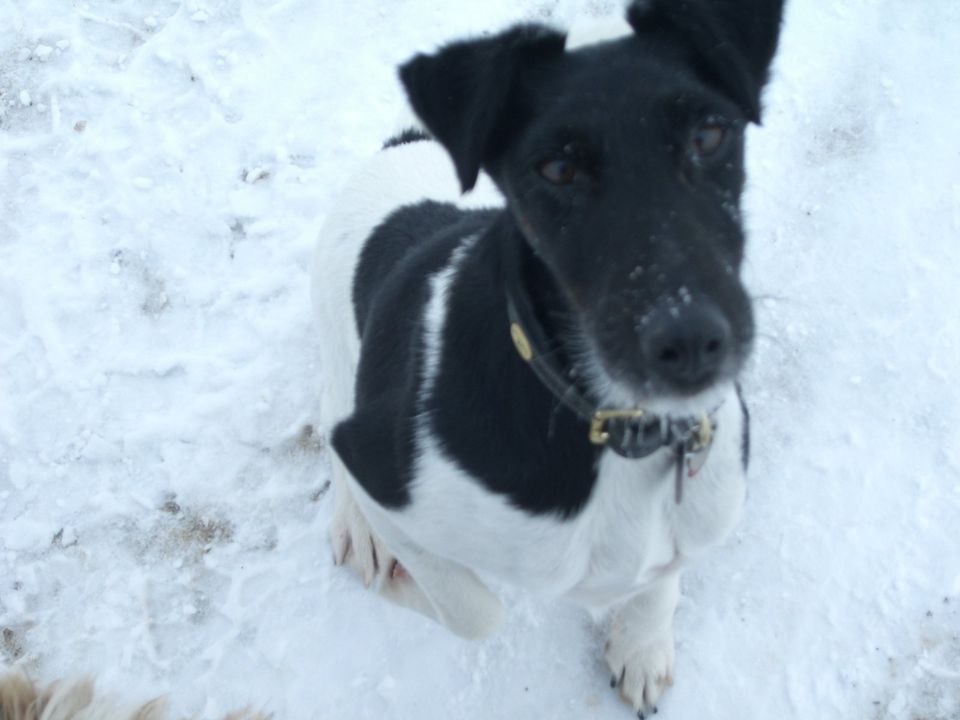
<point>634,530</point>
<point>630,531</point>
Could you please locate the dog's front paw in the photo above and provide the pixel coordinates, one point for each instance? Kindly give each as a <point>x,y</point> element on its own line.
<point>356,545</point>
<point>641,673</point>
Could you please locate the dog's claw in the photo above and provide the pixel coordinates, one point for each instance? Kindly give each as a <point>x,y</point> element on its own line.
<point>613,681</point>
<point>642,716</point>
<point>341,549</point>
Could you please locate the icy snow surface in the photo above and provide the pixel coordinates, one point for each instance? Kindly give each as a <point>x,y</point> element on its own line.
<point>163,500</point>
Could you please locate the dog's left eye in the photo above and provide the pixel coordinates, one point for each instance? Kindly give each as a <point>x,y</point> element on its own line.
<point>559,171</point>
<point>708,138</point>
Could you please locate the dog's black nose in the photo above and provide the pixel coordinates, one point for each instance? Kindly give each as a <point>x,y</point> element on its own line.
<point>686,346</point>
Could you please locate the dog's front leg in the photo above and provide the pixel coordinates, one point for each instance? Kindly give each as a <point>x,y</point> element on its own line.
<point>404,573</point>
<point>354,543</point>
<point>640,648</point>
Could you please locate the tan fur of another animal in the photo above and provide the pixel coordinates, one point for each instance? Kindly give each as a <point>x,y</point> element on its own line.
<point>21,699</point>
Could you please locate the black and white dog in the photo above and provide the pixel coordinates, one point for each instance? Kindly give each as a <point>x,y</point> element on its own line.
<point>535,382</point>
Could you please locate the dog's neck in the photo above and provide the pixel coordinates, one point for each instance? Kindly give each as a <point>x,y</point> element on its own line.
<point>485,396</point>
<point>536,308</point>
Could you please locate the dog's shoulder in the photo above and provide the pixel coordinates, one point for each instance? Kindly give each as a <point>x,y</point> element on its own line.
<point>393,284</point>
<point>412,243</point>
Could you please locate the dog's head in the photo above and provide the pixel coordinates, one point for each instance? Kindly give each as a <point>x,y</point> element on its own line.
<point>622,163</point>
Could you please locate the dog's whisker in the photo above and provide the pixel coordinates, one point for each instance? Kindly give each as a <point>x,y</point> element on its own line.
<point>770,298</point>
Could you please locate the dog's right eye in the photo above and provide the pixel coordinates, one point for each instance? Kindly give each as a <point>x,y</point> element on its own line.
<point>708,137</point>
<point>558,171</point>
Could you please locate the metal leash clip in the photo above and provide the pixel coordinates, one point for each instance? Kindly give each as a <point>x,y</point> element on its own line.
<point>691,452</point>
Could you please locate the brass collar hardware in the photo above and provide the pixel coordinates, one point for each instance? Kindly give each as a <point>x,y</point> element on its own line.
<point>639,433</point>
<point>704,433</point>
<point>598,431</point>
<point>521,342</point>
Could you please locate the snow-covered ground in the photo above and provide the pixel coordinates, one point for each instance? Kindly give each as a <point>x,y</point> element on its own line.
<point>163,498</point>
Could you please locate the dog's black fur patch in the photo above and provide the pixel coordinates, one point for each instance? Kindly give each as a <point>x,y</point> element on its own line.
<point>389,295</point>
<point>635,240</point>
<point>502,425</point>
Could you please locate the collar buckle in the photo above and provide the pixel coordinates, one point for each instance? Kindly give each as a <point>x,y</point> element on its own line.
<point>599,435</point>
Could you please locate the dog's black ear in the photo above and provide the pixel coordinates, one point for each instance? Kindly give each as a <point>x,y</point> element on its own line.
<point>462,91</point>
<point>733,41</point>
